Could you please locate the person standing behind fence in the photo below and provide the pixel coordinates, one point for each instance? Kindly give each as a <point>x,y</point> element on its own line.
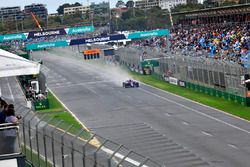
<point>10,135</point>
<point>3,113</point>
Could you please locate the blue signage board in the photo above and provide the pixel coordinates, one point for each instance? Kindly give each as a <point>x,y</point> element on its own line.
<point>147,34</point>
<point>97,39</point>
<point>12,37</point>
<point>45,45</point>
<point>46,33</point>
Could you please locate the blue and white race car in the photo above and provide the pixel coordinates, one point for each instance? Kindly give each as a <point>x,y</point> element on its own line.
<point>130,84</point>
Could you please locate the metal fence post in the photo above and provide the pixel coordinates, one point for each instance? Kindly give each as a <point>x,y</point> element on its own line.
<point>62,140</point>
<point>30,138</point>
<point>72,145</point>
<point>144,162</point>
<point>125,156</point>
<point>24,138</point>
<point>37,140</point>
<point>53,144</point>
<point>84,150</point>
<point>95,153</point>
<point>44,141</point>
<point>112,155</point>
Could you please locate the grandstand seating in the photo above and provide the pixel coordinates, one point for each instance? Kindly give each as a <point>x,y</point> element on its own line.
<point>218,41</point>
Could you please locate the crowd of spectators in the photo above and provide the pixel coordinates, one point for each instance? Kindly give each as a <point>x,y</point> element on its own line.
<point>154,42</point>
<point>222,42</point>
<point>7,113</point>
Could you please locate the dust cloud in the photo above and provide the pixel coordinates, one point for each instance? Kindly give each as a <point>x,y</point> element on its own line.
<point>113,73</point>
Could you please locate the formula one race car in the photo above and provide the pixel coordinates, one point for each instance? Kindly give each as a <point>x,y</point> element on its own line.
<point>130,84</point>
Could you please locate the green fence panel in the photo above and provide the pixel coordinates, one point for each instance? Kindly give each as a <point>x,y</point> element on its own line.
<point>214,92</point>
<point>193,86</point>
<point>244,101</point>
<point>225,95</point>
<point>232,97</point>
<point>241,100</point>
<point>203,89</point>
<point>197,88</point>
<point>208,91</point>
<point>219,93</point>
<point>248,101</point>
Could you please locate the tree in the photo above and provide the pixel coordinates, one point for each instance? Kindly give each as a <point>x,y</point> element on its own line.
<point>187,7</point>
<point>228,3</point>
<point>130,4</point>
<point>120,4</point>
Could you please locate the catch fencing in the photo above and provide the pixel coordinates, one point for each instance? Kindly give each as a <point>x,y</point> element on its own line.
<point>132,56</point>
<point>220,78</point>
<point>46,144</point>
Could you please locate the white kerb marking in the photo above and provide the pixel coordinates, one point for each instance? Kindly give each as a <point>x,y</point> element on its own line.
<point>233,146</point>
<point>185,123</point>
<point>206,133</point>
<point>167,114</point>
<point>196,111</point>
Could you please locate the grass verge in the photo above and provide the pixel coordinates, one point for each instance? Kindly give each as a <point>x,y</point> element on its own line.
<point>58,113</point>
<point>215,102</point>
<point>35,159</point>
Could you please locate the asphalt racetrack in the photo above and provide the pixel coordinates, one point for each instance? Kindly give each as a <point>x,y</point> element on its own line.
<point>169,129</point>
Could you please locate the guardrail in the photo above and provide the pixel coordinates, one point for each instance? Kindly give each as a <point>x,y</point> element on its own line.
<point>9,140</point>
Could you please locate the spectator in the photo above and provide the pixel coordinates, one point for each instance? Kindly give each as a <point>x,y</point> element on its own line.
<point>2,103</point>
<point>3,114</point>
<point>10,135</point>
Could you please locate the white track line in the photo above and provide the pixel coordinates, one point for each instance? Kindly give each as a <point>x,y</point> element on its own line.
<point>196,111</point>
<point>118,155</point>
<point>185,123</point>
<point>196,102</point>
<point>206,133</point>
<point>233,146</point>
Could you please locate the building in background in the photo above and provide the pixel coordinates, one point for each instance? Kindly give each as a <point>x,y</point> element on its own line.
<point>168,4</point>
<point>147,4</point>
<point>76,9</point>
<point>100,9</point>
<point>39,10</point>
<point>11,13</point>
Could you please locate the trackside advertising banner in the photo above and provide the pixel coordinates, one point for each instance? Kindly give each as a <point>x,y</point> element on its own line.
<point>97,39</point>
<point>45,45</point>
<point>12,37</point>
<point>47,33</point>
<point>62,31</point>
<point>77,30</point>
<point>147,34</point>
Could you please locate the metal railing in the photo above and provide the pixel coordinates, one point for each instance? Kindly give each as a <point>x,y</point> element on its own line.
<point>50,142</point>
<point>9,140</point>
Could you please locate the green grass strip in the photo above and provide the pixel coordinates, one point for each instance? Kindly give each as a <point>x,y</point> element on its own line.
<point>35,159</point>
<point>59,113</point>
<point>215,102</point>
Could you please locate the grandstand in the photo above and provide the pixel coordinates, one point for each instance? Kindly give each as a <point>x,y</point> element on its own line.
<point>228,14</point>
